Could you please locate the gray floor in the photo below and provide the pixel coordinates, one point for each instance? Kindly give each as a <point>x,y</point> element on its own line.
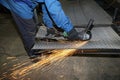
<point>80,11</point>
<point>13,55</point>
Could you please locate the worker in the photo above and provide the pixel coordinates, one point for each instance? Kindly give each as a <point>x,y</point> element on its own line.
<point>22,12</point>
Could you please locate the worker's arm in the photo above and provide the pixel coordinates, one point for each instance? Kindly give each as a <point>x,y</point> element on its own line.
<point>46,18</point>
<point>57,14</point>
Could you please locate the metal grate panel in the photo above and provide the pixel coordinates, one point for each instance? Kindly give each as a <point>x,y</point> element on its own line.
<point>103,38</point>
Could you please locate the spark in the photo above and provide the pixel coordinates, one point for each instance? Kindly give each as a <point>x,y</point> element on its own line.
<point>9,58</point>
<point>56,55</point>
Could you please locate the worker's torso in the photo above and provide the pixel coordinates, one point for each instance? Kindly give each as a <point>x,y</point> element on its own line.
<point>23,8</point>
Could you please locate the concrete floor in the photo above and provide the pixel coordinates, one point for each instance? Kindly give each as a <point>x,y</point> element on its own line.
<point>13,57</point>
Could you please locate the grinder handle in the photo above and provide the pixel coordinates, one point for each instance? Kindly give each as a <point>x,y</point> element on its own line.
<point>89,26</point>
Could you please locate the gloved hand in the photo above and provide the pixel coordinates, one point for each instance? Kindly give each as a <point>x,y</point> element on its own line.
<point>74,35</point>
<point>50,31</point>
<point>53,32</point>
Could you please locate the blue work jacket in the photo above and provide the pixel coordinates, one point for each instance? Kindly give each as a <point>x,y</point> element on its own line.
<point>53,7</point>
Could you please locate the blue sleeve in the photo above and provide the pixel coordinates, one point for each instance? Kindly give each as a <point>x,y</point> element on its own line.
<point>5,4</point>
<point>46,19</point>
<point>41,1</point>
<point>20,8</point>
<point>57,14</point>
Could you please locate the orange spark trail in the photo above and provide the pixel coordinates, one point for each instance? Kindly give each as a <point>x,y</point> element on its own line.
<point>56,55</point>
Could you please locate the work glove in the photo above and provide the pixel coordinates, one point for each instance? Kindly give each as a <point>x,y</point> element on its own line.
<point>50,31</point>
<point>53,32</point>
<point>74,35</point>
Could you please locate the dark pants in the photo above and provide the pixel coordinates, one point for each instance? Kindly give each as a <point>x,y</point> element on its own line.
<point>27,29</point>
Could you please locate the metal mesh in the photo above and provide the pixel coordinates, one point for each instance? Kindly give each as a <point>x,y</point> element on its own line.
<point>103,38</point>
